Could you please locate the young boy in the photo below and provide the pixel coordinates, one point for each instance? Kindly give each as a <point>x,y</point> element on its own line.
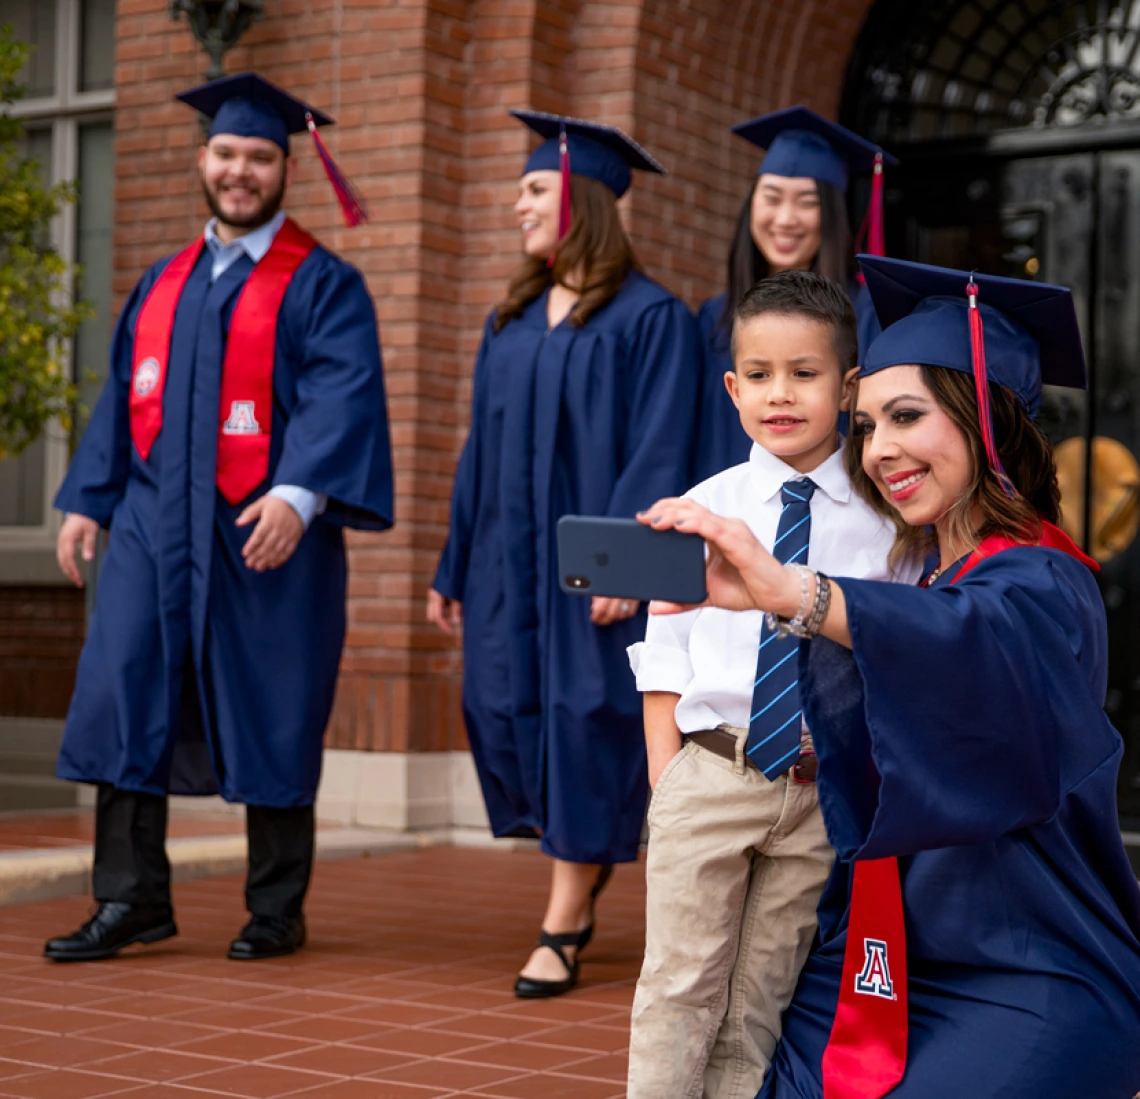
<point>738,855</point>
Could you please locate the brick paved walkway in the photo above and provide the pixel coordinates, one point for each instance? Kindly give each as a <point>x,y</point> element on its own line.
<point>404,993</point>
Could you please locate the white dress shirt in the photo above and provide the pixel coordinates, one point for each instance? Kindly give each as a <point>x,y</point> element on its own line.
<point>708,656</point>
<point>306,503</point>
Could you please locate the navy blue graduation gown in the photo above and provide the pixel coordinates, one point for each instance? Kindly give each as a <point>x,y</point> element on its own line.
<point>965,734</point>
<point>721,441</point>
<point>592,420</point>
<point>174,597</point>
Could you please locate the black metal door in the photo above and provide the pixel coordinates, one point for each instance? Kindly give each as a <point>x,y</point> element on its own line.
<point>1072,219</point>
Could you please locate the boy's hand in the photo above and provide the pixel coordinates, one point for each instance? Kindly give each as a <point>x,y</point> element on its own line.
<point>659,757</point>
<point>662,737</point>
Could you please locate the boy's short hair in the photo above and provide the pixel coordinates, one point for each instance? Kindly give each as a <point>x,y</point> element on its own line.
<point>804,294</point>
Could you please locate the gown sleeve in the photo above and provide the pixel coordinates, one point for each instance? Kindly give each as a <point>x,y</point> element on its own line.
<point>336,438</point>
<point>97,477</point>
<point>663,389</point>
<point>961,713</point>
<point>451,575</point>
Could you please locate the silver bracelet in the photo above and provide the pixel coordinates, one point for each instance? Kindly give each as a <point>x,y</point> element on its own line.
<point>784,627</point>
<point>820,607</point>
<point>807,622</point>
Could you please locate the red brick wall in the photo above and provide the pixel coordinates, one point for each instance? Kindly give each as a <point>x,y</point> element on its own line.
<point>420,89</point>
<point>41,633</point>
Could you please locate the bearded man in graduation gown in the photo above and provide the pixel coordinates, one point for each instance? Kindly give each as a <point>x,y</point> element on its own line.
<point>242,428</point>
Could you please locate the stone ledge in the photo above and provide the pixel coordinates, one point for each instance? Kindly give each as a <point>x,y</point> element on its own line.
<point>44,874</point>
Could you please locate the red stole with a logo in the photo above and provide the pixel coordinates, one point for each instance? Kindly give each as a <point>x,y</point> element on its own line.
<point>865,1056</point>
<point>245,410</point>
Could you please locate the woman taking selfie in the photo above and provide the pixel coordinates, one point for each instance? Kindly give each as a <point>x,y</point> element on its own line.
<point>794,218</point>
<point>978,936</point>
<point>578,385</point>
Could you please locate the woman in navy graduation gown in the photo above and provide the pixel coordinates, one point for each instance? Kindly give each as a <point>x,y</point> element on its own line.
<point>794,217</point>
<point>967,770</point>
<point>582,392</point>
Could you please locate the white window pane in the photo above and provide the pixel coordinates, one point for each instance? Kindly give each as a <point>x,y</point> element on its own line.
<point>33,22</point>
<point>37,146</point>
<point>95,223</point>
<point>22,478</point>
<point>97,61</point>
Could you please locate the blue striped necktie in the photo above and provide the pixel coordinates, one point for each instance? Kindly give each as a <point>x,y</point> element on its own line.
<point>774,728</point>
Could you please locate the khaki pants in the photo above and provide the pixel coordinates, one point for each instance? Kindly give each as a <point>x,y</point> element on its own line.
<point>735,870</point>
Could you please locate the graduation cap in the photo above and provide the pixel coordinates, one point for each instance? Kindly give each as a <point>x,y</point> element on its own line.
<point>800,143</point>
<point>248,105</point>
<point>591,149</point>
<point>1019,334</point>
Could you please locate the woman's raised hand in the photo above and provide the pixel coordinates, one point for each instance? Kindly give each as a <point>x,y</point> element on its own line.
<point>740,574</point>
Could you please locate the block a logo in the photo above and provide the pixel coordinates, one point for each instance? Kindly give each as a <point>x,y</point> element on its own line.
<point>146,376</point>
<point>242,420</point>
<point>875,979</point>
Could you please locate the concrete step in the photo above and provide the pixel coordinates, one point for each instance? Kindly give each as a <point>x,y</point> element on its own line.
<point>23,792</point>
<point>27,763</point>
<point>28,752</point>
<point>34,735</point>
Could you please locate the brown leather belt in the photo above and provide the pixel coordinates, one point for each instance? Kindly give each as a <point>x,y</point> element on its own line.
<point>723,743</point>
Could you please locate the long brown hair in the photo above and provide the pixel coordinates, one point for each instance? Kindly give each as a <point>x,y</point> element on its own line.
<point>747,265</point>
<point>1025,452</point>
<point>596,246</point>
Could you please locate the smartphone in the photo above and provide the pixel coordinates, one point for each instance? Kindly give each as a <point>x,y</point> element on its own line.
<point>628,560</point>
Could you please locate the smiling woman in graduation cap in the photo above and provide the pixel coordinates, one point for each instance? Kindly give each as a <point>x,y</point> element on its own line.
<point>979,934</point>
<point>794,217</point>
<point>582,396</point>
<point>242,428</point>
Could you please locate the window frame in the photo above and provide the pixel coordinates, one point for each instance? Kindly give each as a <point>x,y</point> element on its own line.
<point>27,553</point>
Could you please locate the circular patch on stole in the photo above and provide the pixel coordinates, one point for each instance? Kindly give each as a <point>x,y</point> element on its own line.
<point>146,376</point>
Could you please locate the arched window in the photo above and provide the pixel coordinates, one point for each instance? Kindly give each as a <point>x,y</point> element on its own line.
<point>953,69</point>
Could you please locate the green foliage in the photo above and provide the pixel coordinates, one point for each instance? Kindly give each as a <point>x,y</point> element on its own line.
<point>37,316</point>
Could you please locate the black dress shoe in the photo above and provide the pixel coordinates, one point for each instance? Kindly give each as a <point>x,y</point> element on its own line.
<point>268,937</point>
<point>114,925</point>
<point>531,988</point>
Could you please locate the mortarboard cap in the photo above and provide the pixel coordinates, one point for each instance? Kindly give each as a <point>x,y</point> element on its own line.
<point>595,150</point>
<point>1019,334</point>
<point>248,105</point>
<point>800,142</point>
<point>1031,328</point>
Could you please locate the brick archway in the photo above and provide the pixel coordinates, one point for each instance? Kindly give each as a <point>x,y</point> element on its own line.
<point>673,73</point>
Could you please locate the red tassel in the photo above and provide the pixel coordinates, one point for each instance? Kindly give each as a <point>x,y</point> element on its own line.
<point>564,171</point>
<point>873,229</point>
<point>350,199</point>
<point>876,235</point>
<point>564,207</point>
<point>982,388</point>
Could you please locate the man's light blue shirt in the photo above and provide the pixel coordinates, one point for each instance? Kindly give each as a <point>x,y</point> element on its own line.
<point>255,244</point>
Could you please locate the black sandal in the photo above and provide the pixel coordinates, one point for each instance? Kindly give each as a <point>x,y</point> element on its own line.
<point>587,933</point>
<point>530,988</point>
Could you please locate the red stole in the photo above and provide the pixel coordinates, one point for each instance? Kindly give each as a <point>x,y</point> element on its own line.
<point>865,1056</point>
<point>245,410</point>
